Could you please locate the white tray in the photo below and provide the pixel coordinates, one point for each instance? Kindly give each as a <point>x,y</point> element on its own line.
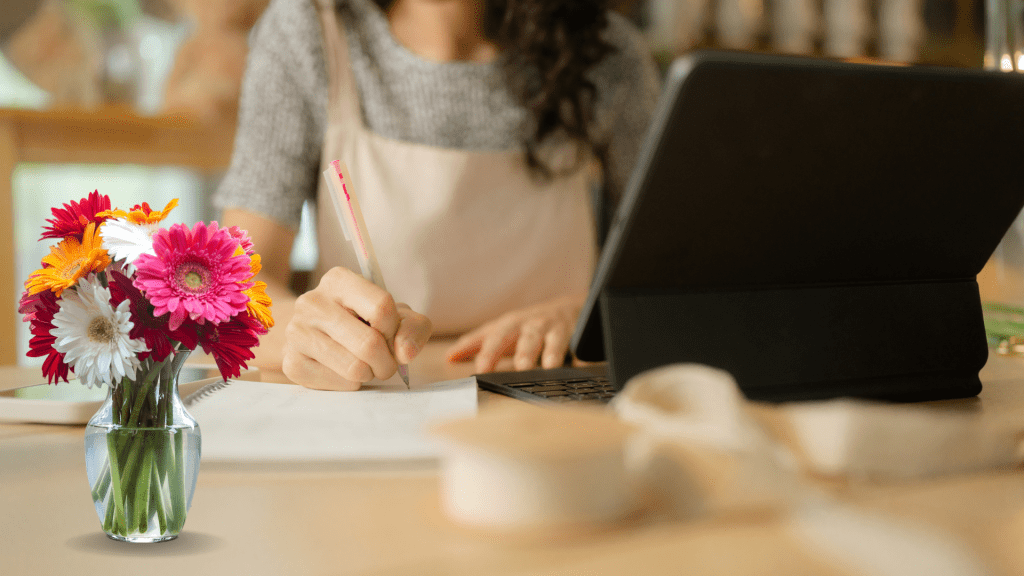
<point>73,403</point>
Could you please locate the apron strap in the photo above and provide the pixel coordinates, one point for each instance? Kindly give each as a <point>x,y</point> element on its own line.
<point>342,96</point>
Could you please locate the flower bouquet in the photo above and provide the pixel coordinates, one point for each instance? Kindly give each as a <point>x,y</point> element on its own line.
<point>120,301</point>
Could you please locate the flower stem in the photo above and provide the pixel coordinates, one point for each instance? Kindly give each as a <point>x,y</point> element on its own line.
<point>102,482</point>
<point>156,496</point>
<point>176,481</point>
<point>115,475</point>
<point>120,403</point>
<point>140,394</point>
<point>141,488</point>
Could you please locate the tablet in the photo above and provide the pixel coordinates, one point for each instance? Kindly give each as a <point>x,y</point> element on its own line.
<point>812,226</point>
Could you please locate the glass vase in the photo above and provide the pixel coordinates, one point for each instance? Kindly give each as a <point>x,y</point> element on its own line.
<point>142,455</point>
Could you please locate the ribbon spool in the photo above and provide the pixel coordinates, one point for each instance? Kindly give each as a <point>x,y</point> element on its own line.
<point>520,467</point>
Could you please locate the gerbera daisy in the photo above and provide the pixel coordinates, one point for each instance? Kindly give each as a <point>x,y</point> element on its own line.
<point>94,336</point>
<point>243,239</point>
<point>75,216</point>
<point>141,213</point>
<point>29,303</point>
<point>39,310</point>
<point>259,302</point>
<point>230,343</point>
<point>125,240</point>
<point>153,330</point>
<point>68,261</point>
<point>194,274</point>
<point>127,235</point>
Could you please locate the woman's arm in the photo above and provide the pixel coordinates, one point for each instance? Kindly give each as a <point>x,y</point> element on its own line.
<point>628,95</point>
<point>273,242</point>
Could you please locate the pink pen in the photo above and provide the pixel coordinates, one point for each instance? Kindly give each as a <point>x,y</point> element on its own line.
<point>352,224</point>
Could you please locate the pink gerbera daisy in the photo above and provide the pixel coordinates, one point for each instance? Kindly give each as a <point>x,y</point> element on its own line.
<point>195,274</point>
<point>243,239</point>
<point>75,216</point>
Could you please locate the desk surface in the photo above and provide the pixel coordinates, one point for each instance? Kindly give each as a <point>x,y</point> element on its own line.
<point>329,520</point>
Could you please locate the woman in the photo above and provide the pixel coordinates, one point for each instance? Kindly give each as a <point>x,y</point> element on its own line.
<point>475,132</point>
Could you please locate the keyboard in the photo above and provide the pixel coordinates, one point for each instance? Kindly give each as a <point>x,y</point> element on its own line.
<point>549,386</point>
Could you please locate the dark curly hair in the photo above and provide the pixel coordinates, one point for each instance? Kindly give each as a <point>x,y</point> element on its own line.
<point>547,49</point>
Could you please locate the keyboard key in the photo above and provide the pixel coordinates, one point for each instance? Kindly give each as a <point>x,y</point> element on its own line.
<point>552,393</point>
<point>546,388</point>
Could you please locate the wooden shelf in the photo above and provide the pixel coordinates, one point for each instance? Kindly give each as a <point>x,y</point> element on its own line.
<point>110,135</point>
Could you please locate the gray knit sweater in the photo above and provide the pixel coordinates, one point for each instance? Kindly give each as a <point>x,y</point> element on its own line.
<point>462,105</point>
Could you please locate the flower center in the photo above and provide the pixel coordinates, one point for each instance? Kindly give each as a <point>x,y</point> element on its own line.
<point>193,277</point>
<point>193,280</point>
<point>100,330</point>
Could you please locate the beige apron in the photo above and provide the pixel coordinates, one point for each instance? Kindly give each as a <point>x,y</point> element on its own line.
<point>461,236</point>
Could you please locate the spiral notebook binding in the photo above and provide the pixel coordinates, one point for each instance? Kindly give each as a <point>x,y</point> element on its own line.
<point>203,392</point>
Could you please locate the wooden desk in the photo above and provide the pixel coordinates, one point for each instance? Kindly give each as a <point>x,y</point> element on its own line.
<point>107,136</point>
<point>329,520</point>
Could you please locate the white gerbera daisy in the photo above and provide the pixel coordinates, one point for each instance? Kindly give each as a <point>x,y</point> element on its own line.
<point>126,240</point>
<point>93,335</point>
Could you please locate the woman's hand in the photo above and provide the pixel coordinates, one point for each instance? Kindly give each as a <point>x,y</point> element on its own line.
<point>527,335</point>
<point>343,332</point>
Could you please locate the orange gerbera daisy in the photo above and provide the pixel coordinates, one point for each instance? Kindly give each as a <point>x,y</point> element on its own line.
<point>68,261</point>
<point>259,300</point>
<point>141,213</point>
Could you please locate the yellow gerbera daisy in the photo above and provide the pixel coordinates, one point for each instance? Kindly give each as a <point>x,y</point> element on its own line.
<point>141,213</point>
<point>68,261</point>
<point>259,301</point>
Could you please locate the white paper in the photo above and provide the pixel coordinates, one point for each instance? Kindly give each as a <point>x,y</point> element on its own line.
<point>264,422</point>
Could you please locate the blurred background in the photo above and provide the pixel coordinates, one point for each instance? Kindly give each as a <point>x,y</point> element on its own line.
<point>125,59</point>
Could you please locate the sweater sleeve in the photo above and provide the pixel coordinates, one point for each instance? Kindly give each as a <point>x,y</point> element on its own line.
<point>281,116</point>
<point>629,101</point>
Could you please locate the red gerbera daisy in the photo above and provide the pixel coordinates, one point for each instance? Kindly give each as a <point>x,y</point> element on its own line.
<point>75,216</point>
<point>153,330</point>
<point>230,343</point>
<point>28,304</point>
<point>40,308</point>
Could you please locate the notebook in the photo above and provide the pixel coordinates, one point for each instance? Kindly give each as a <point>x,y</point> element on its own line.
<point>811,226</point>
<point>261,422</point>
